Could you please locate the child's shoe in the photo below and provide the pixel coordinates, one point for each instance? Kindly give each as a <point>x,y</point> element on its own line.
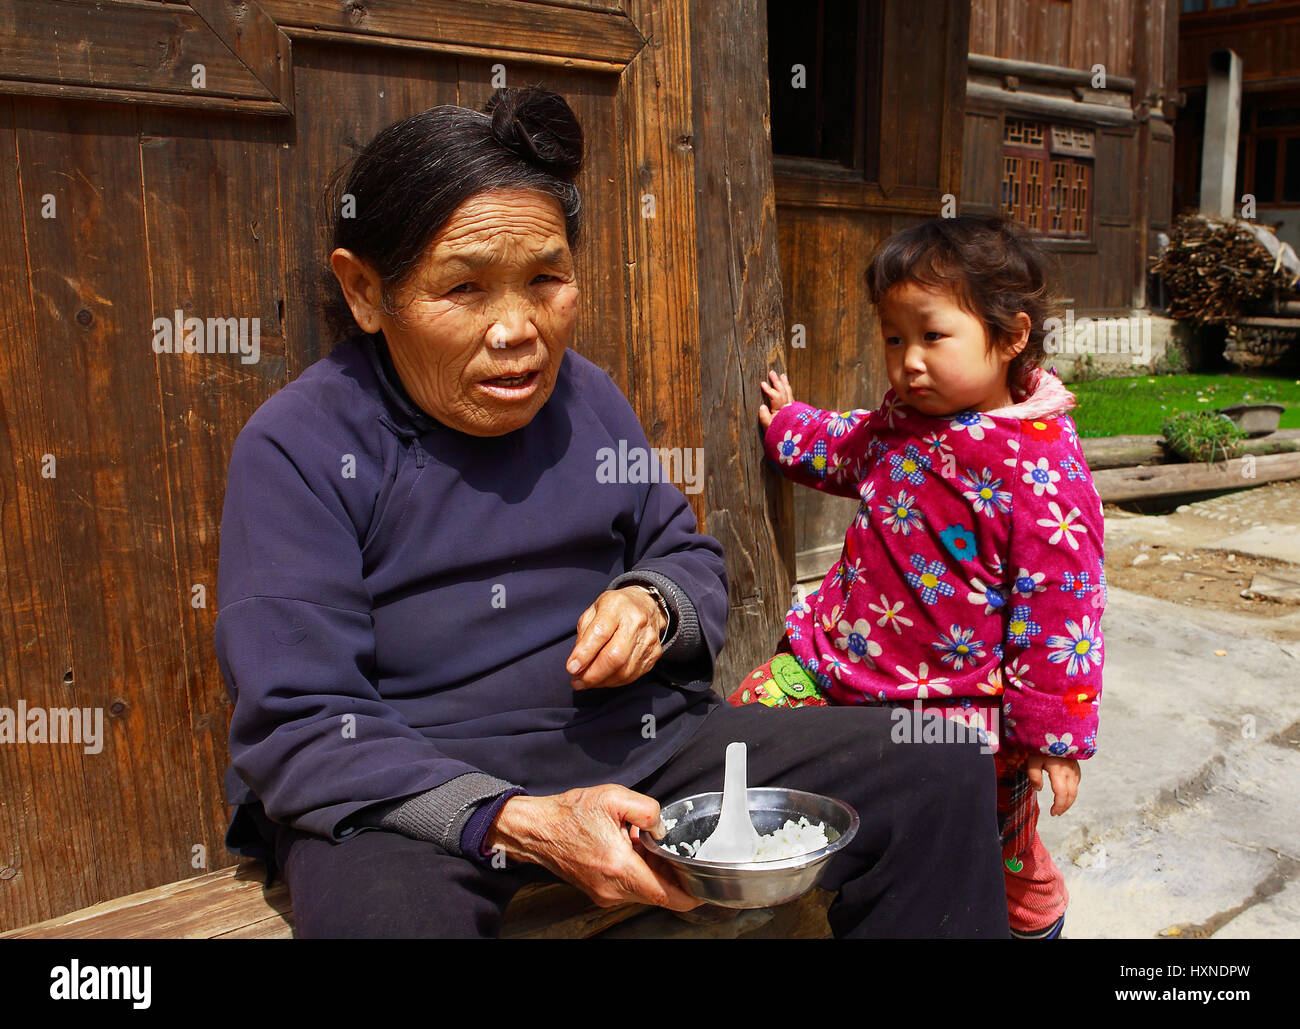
<point>1052,932</point>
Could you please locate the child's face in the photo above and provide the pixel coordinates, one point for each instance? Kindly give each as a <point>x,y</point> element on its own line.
<point>937,353</point>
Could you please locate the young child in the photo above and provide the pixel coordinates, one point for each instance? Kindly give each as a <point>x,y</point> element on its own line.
<point>971,579</point>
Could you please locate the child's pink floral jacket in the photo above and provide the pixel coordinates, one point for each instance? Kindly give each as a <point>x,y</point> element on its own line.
<point>972,572</point>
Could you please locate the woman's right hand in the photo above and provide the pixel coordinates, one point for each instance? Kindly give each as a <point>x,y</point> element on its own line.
<point>583,837</point>
<point>778,395</point>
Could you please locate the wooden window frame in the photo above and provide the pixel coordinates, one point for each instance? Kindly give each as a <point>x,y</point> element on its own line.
<point>1251,134</point>
<point>1033,201</point>
<point>866,111</point>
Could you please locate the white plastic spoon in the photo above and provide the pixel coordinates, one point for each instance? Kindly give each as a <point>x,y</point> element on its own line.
<point>735,838</point>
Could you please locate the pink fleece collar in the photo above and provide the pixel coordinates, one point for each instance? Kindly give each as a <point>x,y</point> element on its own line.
<point>1047,397</point>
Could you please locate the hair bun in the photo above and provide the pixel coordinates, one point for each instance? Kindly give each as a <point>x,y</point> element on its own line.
<point>539,126</point>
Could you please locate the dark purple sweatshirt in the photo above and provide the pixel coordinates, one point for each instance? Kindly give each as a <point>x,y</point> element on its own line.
<point>397,601</point>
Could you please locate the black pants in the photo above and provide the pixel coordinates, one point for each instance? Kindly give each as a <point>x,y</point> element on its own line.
<point>926,861</point>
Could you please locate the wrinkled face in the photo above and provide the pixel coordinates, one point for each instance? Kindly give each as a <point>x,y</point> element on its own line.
<point>938,355</point>
<point>482,325</point>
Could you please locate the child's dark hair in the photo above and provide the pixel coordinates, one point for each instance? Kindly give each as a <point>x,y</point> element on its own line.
<point>991,266</point>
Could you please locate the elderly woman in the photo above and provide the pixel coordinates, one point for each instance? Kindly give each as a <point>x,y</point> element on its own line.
<point>458,662</point>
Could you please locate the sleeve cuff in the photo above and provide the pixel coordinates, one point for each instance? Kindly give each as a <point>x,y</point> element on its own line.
<point>438,815</point>
<point>685,642</point>
<point>480,821</point>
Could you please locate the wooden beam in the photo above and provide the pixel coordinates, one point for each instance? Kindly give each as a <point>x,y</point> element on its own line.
<point>493,26</point>
<point>1145,481</point>
<point>1140,184</point>
<point>832,194</point>
<point>1046,73</point>
<point>1126,451</point>
<point>741,323</point>
<point>441,49</point>
<point>1034,103</point>
<point>954,97</point>
<point>254,38</point>
<point>658,209</point>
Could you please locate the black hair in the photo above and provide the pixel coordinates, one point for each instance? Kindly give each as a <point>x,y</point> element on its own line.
<point>405,185</point>
<point>992,267</point>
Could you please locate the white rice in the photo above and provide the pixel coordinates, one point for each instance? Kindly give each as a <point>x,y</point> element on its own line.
<point>791,840</point>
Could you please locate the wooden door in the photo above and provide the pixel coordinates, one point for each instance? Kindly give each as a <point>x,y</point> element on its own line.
<point>157,157</point>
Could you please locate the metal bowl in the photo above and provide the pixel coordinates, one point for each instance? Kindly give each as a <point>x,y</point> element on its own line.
<point>1254,419</point>
<point>752,884</point>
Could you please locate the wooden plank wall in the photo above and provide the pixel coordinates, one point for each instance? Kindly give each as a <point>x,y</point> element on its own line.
<point>115,614</point>
<point>221,216</point>
<point>1267,40</point>
<point>829,229</point>
<point>1077,34</point>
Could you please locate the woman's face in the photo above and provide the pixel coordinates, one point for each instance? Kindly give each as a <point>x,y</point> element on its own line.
<point>482,325</point>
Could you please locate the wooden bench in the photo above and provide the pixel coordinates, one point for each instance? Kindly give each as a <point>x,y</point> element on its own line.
<point>233,903</point>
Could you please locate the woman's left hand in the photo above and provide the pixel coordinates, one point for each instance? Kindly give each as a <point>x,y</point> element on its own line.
<point>618,639</point>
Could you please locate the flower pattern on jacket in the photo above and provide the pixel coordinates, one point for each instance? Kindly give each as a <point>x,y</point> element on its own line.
<point>972,573</point>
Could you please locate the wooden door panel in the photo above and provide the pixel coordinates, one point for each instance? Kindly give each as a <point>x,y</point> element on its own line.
<point>219,215</point>
<point>90,352</point>
<point>345,95</point>
<point>212,218</point>
<point>142,52</point>
<point>35,661</point>
<point>537,33</point>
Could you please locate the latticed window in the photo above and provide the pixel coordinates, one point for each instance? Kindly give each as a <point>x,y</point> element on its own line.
<point>1034,193</point>
<point>1047,177</point>
<point>1011,184</point>
<point>1027,133</point>
<point>1079,200</point>
<point>1059,199</point>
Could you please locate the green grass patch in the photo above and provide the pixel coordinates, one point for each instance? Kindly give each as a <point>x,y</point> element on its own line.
<point>1140,405</point>
<point>1202,436</point>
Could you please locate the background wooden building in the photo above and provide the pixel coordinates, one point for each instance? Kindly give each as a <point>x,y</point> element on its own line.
<point>1265,34</point>
<point>1068,128</point>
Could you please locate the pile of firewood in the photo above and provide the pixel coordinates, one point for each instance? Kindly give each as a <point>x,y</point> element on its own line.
<point>1216,270</point>
<point>1260,346</point>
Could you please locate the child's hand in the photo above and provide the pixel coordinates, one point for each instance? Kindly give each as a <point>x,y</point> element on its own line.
<point>1064,775</point>
<point>778,395</point>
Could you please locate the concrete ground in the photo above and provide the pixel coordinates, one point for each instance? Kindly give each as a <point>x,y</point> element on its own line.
<point>1187,823</point>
